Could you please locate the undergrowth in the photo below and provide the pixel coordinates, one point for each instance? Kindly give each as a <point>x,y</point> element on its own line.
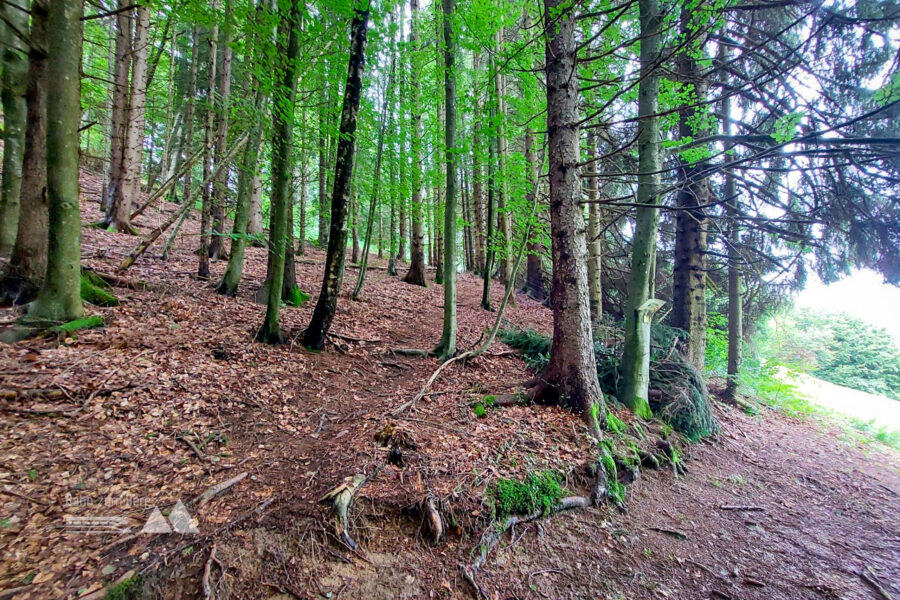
<point>685,400</point>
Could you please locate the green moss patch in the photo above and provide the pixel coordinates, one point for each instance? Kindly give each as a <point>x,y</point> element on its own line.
<point>540,490</point>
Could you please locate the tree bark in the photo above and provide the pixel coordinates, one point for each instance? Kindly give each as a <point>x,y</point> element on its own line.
<point>323,314</point>
<point>416,273</point>
<point>28,264</point>
<point>595,256</point>
<point>119,120</point>
<point>255,225</point>
<point>633,390</point>
<point>129,190</point>
<point>534,268</point>
<point>206,192</point>
<point>504,211</point>
<point>689,270</point>
<point>323,161</point>
<point>572,370</point>
<point>477,183</point>
<point>14,82</point>
<point>60,297</point>
<point>282,139</point>
<point>220,184</point>
<point>247,175</point>
<point>446,348</point>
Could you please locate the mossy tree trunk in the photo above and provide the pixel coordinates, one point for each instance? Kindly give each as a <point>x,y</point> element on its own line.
<point>25,273</point>
<point>60,297</point>
<point>14,81</point>
<point>326,305</point>
<point>635,359</point>
<point>572,371</point>
<point>282,139</point>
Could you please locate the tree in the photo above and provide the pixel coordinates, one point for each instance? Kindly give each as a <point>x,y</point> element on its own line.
<point>416,273</point>
<point>220,185</point>
<point>323,314</point>
<point>282,139</point>
<point>24,275</point>
<point>60,297</point>
<point>446,348</point>
<point>636,357</point>
<point>572,370</point>
<point>210,128</point>
<point>12,90</point>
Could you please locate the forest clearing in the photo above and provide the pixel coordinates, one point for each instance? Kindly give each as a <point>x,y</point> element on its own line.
<point>484,299</point>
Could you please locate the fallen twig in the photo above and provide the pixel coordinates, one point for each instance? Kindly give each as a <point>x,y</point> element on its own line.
<point>217,489</point>
<point>6,490</point>
<point>207,571</point>
<point>871,580</point>
<point>350,338</point>
<point>743,508</point>
<point>672,532</point>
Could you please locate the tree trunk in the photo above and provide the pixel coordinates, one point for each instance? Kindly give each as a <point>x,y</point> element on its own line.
<point>188,129</point>
<point>246,176</point>
<point>354,229</point>
<point>595,257</point>
<point>323,161</point>
<point>572,370</point>
<point>323,314</point>
<point>504,211</point>
<point>477,185</point>
<point>220,185</point>
<point>735,262</point>
<point>689,270</point>
<point>206,192</point>
<point>255,225</point>
<point>633,390</point>
<point>416,273</point>
<point>386,122</point>
<point>446,348</point>
<point>60,298</point>
<point>282,139</point>
<point>28,264</point>
<point>119,122</point>
<point>15,71</point>
<point>128,192</point>
<point>534,273</point>
<point>490,249</point>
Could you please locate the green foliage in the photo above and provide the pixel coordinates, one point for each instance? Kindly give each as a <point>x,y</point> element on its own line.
<point>717,343</point>
<point>479,410</point>
<point>835,347</point>
<point>540,490</point>
<point>786,127</point>
<point>79,324</point>
<point>129,589</point>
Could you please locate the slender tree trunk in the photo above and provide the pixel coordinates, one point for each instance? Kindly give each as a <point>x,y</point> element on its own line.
<point>128,192</point>
<point>595,257</point>
<point>283,108</point>
<point>534,272</point>
<point>354,221</point>
<point>467,217</point>
<point>119,121</point>
<point>14,81</point>
<point>220,185</point>
<point>28,264</point>
<point>633,386</point>
<point>477,185</point>
<point>255,225</point>
<point>304,155</point>
<point>392,223</point>
<point>108,129</point>
<point>206,210</point>
<point>446,348</point>
<point>60,296</point>
<point>490,251</point>
<point>735,263</point>
<point>416,273</point>
<point>504,213</point>
<point>323,162</point>
<point>572,371</point>
<point>323,314</point>
<point>246,176</point>
<point>386,121</point>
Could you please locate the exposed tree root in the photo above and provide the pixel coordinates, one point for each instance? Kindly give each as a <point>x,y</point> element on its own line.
<point>341,498</point>
<point>432,524</point>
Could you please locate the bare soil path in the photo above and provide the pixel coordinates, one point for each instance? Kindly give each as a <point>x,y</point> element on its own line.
<point>172,397</point>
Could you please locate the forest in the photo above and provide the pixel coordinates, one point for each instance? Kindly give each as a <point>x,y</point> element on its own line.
<point>457,299</point>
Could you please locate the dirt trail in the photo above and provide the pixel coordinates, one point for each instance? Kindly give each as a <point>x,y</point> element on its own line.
<point>172,397</point>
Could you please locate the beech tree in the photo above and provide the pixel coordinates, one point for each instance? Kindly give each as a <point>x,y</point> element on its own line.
<point>14,63</point>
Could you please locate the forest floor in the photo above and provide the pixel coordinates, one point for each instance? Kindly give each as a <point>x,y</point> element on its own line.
<point>172,396</point>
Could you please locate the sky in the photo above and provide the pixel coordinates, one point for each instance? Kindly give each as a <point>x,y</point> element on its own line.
<point>862,295</point>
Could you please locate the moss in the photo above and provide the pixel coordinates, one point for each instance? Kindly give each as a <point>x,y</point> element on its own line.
<point>489,401</point>
<point>93,293</point>
<point>129,589</point>
<point>79,324</point>
<point>615,424</point>
<point>479,410</point>
<point>540,490</point>
<point>296,297</point>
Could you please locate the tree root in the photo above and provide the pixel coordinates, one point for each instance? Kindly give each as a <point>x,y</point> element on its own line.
<point>432,524</point>
<point>341,498</point>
